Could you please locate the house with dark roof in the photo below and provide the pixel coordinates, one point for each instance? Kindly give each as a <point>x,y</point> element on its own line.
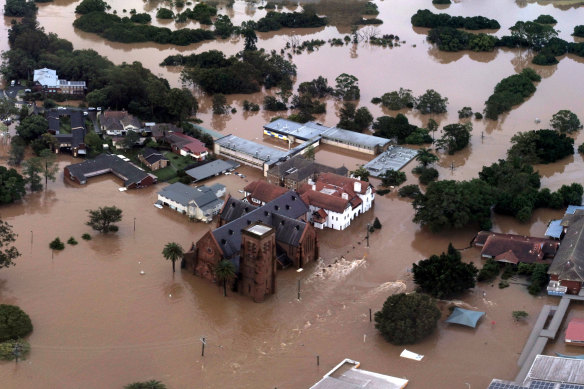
<point>153,159</point>
<point>131,175</point>
<point>261,192</point>
<point>256,240</point>
<point>297,170</point>
<point>198,203</point>
<point>567,270</point>
<point>73,141</point>
<point>185,145</point>
<point>118,123</point>
<point>515,249</point>
<point>159,130</point>
<point>334,200</point>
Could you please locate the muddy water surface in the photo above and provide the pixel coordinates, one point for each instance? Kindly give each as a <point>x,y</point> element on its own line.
<point>99,323</point>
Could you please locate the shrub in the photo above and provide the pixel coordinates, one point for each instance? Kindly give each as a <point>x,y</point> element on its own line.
<point>383,192</point>
<point>7,349</point>
<point>86,236</point>
<point>113,228</point>
<point>427,175</point>
<point>519,315</point>
<point>72,241</point>
<point>478,115</point>
<point>508,271</point>
<point>581,148</point>
<point>579,31</point>
<point>164,13</point>
<point>411,191</point>
<point>539,278</point>
<point>465,112</point>
<point>14,323</point>
<point>407,318</point>
<point>489,272</point>
<point>503,284</point>
<point>545,19</point>
<point>56,244</point>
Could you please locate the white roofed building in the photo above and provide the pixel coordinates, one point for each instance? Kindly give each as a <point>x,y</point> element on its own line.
<point>47,81</point>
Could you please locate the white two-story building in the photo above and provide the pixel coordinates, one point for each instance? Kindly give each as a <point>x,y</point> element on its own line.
<point>334,201</point>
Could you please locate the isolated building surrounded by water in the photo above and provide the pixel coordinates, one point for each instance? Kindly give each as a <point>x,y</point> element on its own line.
<point>257,240</point>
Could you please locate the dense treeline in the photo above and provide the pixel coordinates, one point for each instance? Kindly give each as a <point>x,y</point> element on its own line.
<point>508,187</point>
<point>451,39</point>
<point>116,29</point>
<point>128,86</point>
<point>510,91</point>
<point>19,8</point>
<point>245,73</point>
<point>201,12</point>
<point>274,21</point>
<point>541,146</point>
<point>425,18</point>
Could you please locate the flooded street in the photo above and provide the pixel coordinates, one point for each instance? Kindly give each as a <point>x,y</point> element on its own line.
<point>100,324</point>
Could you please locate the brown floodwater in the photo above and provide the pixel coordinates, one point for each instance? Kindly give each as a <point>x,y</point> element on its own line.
<point>99,323</point>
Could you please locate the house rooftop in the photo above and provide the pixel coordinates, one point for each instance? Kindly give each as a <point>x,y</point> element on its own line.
<point>347,375</point>
<point>264,191</point>
<point>259,151</point>
<point>211,169</point>
<point>108,163</point>
<point>299,168</point>
<point>575,331</point>
<point>515,248</point>
<point>394,158</point>
<point>568,263</point>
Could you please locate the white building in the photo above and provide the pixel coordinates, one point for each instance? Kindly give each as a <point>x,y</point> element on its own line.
<point>334,201</point>
<point>200,203</point>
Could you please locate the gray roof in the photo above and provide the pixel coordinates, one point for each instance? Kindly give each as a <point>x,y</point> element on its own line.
<point>555,229</point>
<point>204,197</point>
<point>286,208</point>
<point>106,163</point>
<point>77,135</point>
<point>211,169</point>
<point>151,155</point>
<point>217,187</point>
<point>301,131</point>
<point>234,209</point>
<point>299,168</point>
<point>355,138</point>
<point>394,158</point>
<point>256,150</point>
<point>310,130</point>
<point>568,263</point>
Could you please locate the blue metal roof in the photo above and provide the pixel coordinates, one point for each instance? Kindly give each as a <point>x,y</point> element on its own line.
<point>555,229</point>
<point>573,208</point>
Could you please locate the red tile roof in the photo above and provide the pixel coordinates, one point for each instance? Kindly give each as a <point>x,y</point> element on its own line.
<point>575,331</point>
<point>185,142</point>
<point>264,191</point>
<point>347,183</point>
<point>515,248</point>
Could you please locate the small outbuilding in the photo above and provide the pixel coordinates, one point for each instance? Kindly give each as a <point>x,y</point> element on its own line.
<point>464,317</point>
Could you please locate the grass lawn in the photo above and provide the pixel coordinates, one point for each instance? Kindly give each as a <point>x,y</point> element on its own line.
<point>165,174</point>
<point>178,161</point>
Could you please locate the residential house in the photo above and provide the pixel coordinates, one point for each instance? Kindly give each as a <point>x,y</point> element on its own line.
<point>185,145</point>
<point>159,130</point>
<point>515,249</point>
<point>567,270</point>
<point>47,81</point>
<point>153,159</point>
<point>261,192</point>
<point>297,170</point>
<point>118,123</point>
<point>256,241</point>
<point>131,175</point>
<point>198,203</point>
<point>74,141</point>
<point>334,200</point>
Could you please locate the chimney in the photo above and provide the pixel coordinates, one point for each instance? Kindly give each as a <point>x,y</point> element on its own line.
<point>314,187</point>
<point>345,196</point>
<point>357,187</point>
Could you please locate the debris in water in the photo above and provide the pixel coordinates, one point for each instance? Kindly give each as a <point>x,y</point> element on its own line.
<point>411,355</point>
<point>142,272</point>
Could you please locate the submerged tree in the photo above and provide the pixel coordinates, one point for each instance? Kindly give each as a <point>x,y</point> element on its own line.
<point>565,121</point>
<point>101,219</point>
<point>8,253</point>
<point>407,318</point>
<point>172,252</point>
<point>445,276</point>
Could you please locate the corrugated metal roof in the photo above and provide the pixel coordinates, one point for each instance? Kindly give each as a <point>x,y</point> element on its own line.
<point>555,229</point>
<point>256,150</point>
<point>211,169</point>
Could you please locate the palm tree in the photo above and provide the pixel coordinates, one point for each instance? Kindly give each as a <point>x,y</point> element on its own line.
<point>426,157</point>
<point>225,271</point>
<point>172,251</point>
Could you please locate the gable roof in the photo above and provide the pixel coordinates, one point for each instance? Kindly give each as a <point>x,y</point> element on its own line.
<point>515,248</point>
<point>287,209</point>
<point>299,168</point>
<point>185,142</point>
<point>108,163</point>
<point>347,183</point>
<point>322,200</point>
<point>211,169</point>
<point>264,191</point>
<point>568,263</point>
<point>234,209</point>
